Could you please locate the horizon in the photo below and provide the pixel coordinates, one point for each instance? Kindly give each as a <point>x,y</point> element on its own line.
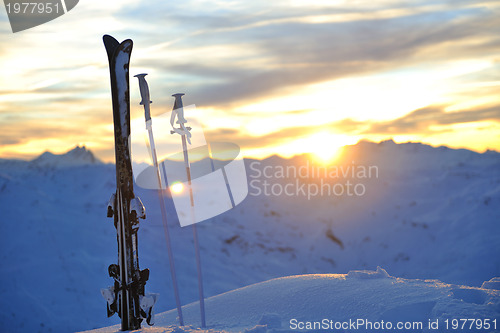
<point>310,155</point>
<point>276,80</point>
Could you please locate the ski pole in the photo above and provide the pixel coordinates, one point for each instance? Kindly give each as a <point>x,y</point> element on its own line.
<point>144,89</point>
<point>185,136</point>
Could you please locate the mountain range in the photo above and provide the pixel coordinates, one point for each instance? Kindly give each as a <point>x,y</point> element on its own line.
<point>418,211</point>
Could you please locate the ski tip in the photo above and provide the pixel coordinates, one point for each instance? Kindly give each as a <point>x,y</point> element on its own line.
<point>141,75</point>
<point>112,44</point>
<point>178,94</point>
<point>109,39</point>
<point>127,42</point>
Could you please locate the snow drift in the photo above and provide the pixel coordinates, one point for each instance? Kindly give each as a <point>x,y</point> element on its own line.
<point>360,301</point>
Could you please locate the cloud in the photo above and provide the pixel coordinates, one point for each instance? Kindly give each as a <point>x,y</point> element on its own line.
<point>421,121</point>
<point>32,131</point>
<point>282,136</point>
<point>288,51</point>
<point>228,54</point>
<point>246,141</point>
<point>418,122</point>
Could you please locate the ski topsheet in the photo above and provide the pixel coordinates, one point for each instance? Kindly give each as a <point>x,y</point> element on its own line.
<point>126,296</point>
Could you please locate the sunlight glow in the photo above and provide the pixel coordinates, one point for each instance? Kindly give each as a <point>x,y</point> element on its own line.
<point>379,97</point>
<point>177,187</point>
<point>325,146</point>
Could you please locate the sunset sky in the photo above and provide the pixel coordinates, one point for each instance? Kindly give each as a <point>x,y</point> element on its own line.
<point>283,77</point>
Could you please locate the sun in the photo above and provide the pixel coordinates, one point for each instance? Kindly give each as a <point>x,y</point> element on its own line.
<point>327,155</point>
<point>325,146</point>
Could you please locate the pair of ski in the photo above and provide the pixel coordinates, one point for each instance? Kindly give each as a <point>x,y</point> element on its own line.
<point>127,296</point>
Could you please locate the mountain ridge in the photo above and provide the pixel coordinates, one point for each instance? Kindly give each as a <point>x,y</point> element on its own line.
<point>81,155</point>
<point>77,156</point>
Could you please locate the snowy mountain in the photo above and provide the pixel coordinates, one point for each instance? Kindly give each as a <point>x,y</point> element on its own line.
<point>76,156</point>
<point>419,212</point>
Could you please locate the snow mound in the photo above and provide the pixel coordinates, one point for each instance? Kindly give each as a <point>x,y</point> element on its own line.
<point>300,302</point>
<point>75,157</point>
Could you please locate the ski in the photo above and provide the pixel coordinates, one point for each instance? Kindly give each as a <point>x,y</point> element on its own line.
<point>126,297</point>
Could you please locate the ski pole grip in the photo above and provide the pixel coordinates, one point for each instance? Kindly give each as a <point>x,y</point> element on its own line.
<point>144,89</point>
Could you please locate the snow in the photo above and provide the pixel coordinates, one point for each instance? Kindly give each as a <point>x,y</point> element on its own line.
<point>493,283</point>
<point>432,213</point>
<point>378,274</point>
<point>281,304</point>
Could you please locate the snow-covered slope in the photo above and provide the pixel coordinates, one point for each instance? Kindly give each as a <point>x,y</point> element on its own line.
<point>430,213</point>
<point>361,301</point>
